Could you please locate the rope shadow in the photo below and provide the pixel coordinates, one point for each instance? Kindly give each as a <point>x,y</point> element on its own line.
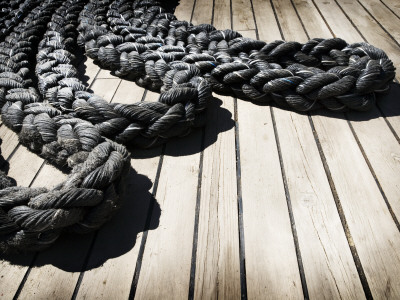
<point>77,253</point>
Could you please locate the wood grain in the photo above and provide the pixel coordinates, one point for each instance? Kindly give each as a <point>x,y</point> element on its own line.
<point>217,265</point>
<point>329,267</point>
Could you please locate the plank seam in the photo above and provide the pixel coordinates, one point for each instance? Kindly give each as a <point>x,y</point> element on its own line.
<point>192,280</point>
<point>380,25</point>
<point>84,266</point>
<point>242,249</point>
<point>323,18</point>
<point>389,9</point>
<point>242,252</point>
<point>255,21</point>
<point>290,210</point>
<point>13,152</point>
<point>143,241</point>
<point>277,20</point>
<point>115,92</point>
<point>25,278</point>
<point>301,21</point>
<point>396,221</point>
<point>285,184</point>
<point>349,237</point>
<point>388,123</point>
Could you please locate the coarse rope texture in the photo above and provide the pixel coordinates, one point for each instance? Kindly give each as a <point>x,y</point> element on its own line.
<point>56,116</point>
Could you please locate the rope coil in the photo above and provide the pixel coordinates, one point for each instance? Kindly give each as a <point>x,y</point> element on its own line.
<point>55,115</point>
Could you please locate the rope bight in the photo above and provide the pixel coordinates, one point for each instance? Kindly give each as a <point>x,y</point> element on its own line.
<point>55,115</point>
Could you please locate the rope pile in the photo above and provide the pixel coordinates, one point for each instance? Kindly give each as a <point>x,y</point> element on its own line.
<point>55,115</point>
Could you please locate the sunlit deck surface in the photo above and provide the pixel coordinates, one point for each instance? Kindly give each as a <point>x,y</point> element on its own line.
<point>263,203</point>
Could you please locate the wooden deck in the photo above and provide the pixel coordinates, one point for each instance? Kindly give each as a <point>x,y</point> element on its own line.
<point>262,204</point>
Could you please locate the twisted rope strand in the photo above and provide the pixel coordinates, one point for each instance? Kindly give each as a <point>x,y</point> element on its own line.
<point>55,115</point>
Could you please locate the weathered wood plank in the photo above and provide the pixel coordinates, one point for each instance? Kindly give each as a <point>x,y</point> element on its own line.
<point>384,16</point>
<point>248,33</point>
<point>308,12</point>
<point>375,235</point>
<point>329,267</point>
<point>242,15</point>
<point>217,273</point>
<point>166,264</point>
<point>222,19</point>
<point>265,18</point>
<point>394,5</point>
<point>217,266</point>
<point>128,93</point>
<point>9,141</point>
<point>202,13</point>
<point>166,261</point>
<point>288,20</point>
<point>271,265</point>
<point>184,10</point>
<point>379,145</point>
<point>269,247</point>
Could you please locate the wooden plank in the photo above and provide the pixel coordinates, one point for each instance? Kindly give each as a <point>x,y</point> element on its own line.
<point>288,19</point>
<point>152,96</point>
<point>166,261</point>
<point>308,12</point>
<point>202,13</point>
<point>337,22</point>
<point>328,264</point>
<point>217,273</point>
<point>383,152</point>
<point>379,145</point>
<point>248,33</point>
<point>222,19</point>
<point>265,17</point>
<point>105,88</point>
<point>375,235</point>
<point>384,16</point>
<point>105,74</point>
<point>9,141</point>
<point>269,247</point>
<point>128,93</point>
<point>242,15</point>
<point>184,10</point>
<point>394,6</point>
<point>217,264</point>
<point>271,265</point>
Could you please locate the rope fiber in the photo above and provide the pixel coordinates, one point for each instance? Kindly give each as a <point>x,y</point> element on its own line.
<point>55,116</point>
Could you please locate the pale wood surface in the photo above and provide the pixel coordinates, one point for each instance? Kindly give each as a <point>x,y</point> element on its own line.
<point>328,265</point>
<point>282,197</point>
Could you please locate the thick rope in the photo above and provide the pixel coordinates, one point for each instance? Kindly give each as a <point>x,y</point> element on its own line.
<point>144,42</point>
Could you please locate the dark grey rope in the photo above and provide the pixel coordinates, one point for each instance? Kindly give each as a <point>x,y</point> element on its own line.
<point>142,41</point>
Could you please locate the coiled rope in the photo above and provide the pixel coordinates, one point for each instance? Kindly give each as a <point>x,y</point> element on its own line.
<point>43,100</point>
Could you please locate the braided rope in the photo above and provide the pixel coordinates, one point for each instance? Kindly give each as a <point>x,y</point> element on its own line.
<point>142,41</point>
